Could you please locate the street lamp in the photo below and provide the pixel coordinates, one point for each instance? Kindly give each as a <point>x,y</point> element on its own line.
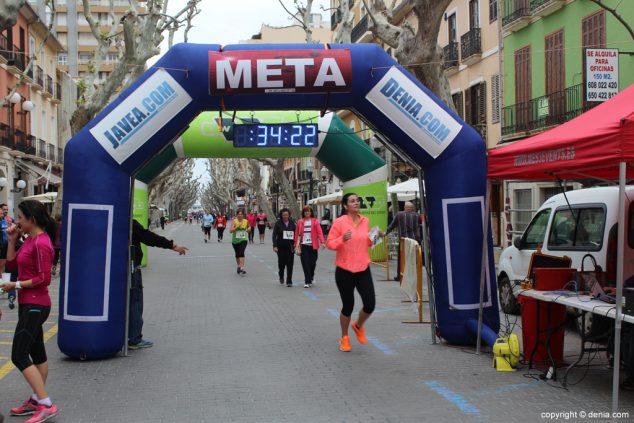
<point>19,186</point>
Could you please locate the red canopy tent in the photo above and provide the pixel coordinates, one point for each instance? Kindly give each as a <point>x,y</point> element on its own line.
<point>596,144</point>
<point>593,144</point>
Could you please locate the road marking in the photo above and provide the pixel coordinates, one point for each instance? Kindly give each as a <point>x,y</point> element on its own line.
<point>506,388</point>
<point>456,399</point>
<point>6,343</point>
<point>6,330</point>
<point>311,296</point>
<point>333,312</point>
<point>8,367</point>
<point>380,345</point>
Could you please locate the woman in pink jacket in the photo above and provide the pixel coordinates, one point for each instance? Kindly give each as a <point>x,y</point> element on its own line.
<point>349,238</point>
<point>308,234</point>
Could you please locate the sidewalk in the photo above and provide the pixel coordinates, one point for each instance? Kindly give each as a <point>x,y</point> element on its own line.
<point>245,349</point>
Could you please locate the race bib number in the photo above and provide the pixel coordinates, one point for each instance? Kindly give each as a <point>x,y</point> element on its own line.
<point>261,222</point>
<point>220,225</point>
<point>308,239</point>
<point>288,235</point>
<point>241,235</point>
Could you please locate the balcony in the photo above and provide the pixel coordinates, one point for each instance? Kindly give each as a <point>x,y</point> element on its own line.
<point>450,53</point>
<point>38,76</point>
<point>5,139</point>
<point>41,148</point>
<point>15,61</point>
<point>60,155</point>
<point>20,141</point>
<point>51,152</point>
<point>48,87</point>
<point>4,47</point>
<point>57,98</point>
<point>471,46</point>
<point>546,7</point>
<point>542,112</point>
<point>360,33</point>
<point>31,142</point>
<point>516,14</point>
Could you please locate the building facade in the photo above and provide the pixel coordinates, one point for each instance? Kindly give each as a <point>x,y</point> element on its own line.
<point>544,73</point>
<point>30,148</point>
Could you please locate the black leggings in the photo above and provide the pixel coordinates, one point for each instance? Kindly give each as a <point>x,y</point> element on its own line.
<point>220,232</point>
<point>261,229</point>
<point>347,281</point>
<point>309,262</point>
<point>28,339</point>
<point>240,249</point>
<point>251,233</point>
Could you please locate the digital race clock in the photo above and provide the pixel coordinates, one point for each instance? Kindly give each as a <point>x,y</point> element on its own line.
<point>275,135</point>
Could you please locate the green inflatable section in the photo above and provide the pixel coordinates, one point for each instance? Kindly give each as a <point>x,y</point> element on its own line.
<point>140,211</point>
<point>340,149</point>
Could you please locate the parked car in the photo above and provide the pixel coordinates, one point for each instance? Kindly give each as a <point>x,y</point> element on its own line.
<point>581,222</point>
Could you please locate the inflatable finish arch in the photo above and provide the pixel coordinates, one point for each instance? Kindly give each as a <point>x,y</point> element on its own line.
<point>191,79</point>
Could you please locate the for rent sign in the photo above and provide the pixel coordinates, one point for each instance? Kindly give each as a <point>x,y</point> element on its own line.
<point>143,113</point>
<point>279,71</point>
<point>602,73</point>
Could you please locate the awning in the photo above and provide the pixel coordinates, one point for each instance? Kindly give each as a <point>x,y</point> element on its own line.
<point>329,199</point>
<point>39,172</point>
<point>48,197</point>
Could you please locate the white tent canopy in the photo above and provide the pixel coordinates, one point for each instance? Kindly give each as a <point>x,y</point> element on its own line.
<point>408,187</point>
<point>329,199</point>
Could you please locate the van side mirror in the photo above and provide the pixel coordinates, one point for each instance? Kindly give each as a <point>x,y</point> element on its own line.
<point>517,242</point>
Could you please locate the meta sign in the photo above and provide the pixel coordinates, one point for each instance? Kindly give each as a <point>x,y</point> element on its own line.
<point>279,71</point>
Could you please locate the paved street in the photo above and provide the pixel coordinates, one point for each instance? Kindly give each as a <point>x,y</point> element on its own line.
<point>245,349</point>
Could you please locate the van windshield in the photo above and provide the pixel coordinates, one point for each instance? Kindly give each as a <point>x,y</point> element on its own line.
<point>534,234</point>
<point>581,230</point>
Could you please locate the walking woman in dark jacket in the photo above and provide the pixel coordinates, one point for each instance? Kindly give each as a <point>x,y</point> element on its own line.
<point>283,236</point>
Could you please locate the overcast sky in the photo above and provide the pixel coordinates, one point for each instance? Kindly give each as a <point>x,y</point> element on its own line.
<point>228,22</point>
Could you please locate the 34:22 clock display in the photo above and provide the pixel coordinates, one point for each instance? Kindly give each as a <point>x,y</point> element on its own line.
<point>275,135</point>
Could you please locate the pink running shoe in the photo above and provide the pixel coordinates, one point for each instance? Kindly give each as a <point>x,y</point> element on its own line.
<point>27,408</point>
<point>43,414</point>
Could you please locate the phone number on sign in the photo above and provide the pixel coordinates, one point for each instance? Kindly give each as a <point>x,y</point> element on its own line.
<point>573,415</point>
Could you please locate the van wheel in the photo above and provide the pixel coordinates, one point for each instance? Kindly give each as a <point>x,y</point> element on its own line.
<point>508,302</point>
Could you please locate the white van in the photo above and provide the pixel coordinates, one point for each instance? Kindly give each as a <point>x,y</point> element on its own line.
<point>579,223</point>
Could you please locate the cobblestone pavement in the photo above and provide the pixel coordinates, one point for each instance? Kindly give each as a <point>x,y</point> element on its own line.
<point>245,349</point>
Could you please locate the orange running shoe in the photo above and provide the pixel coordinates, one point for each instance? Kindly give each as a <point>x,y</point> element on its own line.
<point>344,344</point>
<point>360,334</point>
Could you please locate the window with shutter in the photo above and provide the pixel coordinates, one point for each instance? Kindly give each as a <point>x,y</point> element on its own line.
<point>593,30</point>
<point>481,108</point>
<point>458,103</point>
<point>523,87</point>
<point>495,98</point>
<point>493,10</point>
<point>467,106</point>
<point>555,77</point>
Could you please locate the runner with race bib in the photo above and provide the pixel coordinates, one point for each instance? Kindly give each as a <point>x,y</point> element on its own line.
<point>240,229</point>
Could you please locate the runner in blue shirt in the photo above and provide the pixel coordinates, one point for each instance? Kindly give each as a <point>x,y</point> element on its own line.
<point>208,221</point>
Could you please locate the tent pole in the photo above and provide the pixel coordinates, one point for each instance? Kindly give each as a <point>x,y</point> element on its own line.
<point>431,294</point>
<point>619,288</point>
<point>485,262</point>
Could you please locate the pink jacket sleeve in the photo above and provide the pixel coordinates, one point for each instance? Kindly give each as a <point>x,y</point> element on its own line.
<point>335,236</point>
<point>320,232</point>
